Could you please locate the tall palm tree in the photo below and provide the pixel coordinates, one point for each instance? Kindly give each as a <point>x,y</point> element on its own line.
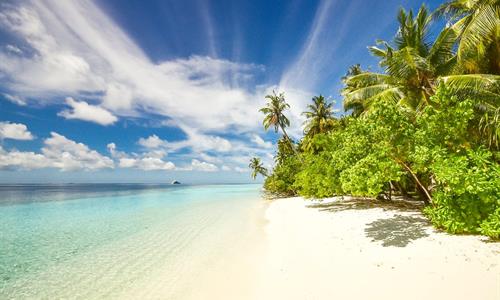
<point>275,117</point>
<point>257,168</point>
<point>274,113</point>
<point>477,25</point>
<point>319,117</point>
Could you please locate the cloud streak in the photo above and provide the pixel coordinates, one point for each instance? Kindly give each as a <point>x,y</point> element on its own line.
<point>84,51</point>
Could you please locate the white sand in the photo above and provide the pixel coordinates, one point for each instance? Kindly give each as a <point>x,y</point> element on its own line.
<point>370,254</point>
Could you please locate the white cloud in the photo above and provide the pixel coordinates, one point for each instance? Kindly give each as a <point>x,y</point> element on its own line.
<point>127,162</point>
<point>196,141</point>
<point>22,160</point>
<point>115,153</point>
<point>152,142</point>
<point>241,170</point>
<point>15,131</point>
<point>203,166</point>
<point>58,152</point>
<point>260,142</point>
<point>146,163</point>
<point>66,154</point>
<point>83,111</point>
<point>209,158</point>
<point>78,49</point>
<point>149,161</point>
<point>15,99</point>
<point>13,49</point>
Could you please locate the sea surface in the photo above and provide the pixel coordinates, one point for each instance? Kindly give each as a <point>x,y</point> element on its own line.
<point>95,241</point>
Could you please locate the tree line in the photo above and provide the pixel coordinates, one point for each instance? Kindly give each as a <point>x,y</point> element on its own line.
<point>426,128</point>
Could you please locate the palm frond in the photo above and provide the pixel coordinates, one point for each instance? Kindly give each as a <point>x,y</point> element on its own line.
<point>485,21</point>
<point>442,50</point>
<point>479,82</point>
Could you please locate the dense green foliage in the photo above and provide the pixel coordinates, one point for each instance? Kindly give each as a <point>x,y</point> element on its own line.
<point>425,129</point>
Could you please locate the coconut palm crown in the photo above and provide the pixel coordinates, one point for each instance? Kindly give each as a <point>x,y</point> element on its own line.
<point>414,67</point>
<point>477,25</point>
<point>274,112</point>
<point>319,117</point>
<point>275,117</point>
<point>257,168</point>
<point>411,64</point>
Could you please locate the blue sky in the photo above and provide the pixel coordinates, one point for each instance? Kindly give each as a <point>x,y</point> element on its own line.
<point>151,91</point>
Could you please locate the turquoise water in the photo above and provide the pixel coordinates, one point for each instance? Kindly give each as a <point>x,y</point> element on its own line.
<point>111,241</point>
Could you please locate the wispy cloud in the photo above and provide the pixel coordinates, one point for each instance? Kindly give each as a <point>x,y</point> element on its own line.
<point>77,50</point>
<point>209,27</point>
<point>80,49</point>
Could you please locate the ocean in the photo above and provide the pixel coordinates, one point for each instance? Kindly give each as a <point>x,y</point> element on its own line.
<point>95,241</point>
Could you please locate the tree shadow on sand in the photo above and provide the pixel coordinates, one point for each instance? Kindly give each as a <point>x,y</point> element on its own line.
<point>397,231</point>
<point>363,203</point>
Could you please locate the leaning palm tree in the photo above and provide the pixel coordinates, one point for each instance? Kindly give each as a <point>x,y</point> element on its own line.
<point>274,112</point>
<point>257,168</point>
<point>477,25</point>
<point>275,117</point>
<point>319,117</point>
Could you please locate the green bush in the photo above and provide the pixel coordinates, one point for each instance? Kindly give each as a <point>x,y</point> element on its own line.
<point>280,182</point>
<point>466,197</point>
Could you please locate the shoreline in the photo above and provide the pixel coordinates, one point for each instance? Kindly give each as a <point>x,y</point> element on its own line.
<point>354,252</point>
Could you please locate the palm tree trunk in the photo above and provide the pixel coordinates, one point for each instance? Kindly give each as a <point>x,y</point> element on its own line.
<point>291,144</point>
<point>426,197</point>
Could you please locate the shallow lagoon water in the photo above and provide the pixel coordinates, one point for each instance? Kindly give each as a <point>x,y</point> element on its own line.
<point>114,241</point>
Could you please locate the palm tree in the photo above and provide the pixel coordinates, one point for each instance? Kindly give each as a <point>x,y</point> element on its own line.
<point>274,116</point>
<point>274,113</point>
<point>355,107</point>
<point>477,24</point>
<point>414,68</point>
<point>257,168</point>
<point>319,117</point>
<point>411,66</point>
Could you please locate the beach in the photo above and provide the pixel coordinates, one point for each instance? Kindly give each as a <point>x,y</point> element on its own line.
<point>359,251</point>
<point>228,242</point>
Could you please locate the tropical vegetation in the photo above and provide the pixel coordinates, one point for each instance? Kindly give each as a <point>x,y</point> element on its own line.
<point>425,128</point>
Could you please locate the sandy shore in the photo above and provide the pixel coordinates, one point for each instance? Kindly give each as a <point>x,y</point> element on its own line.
<point>360,252</point>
